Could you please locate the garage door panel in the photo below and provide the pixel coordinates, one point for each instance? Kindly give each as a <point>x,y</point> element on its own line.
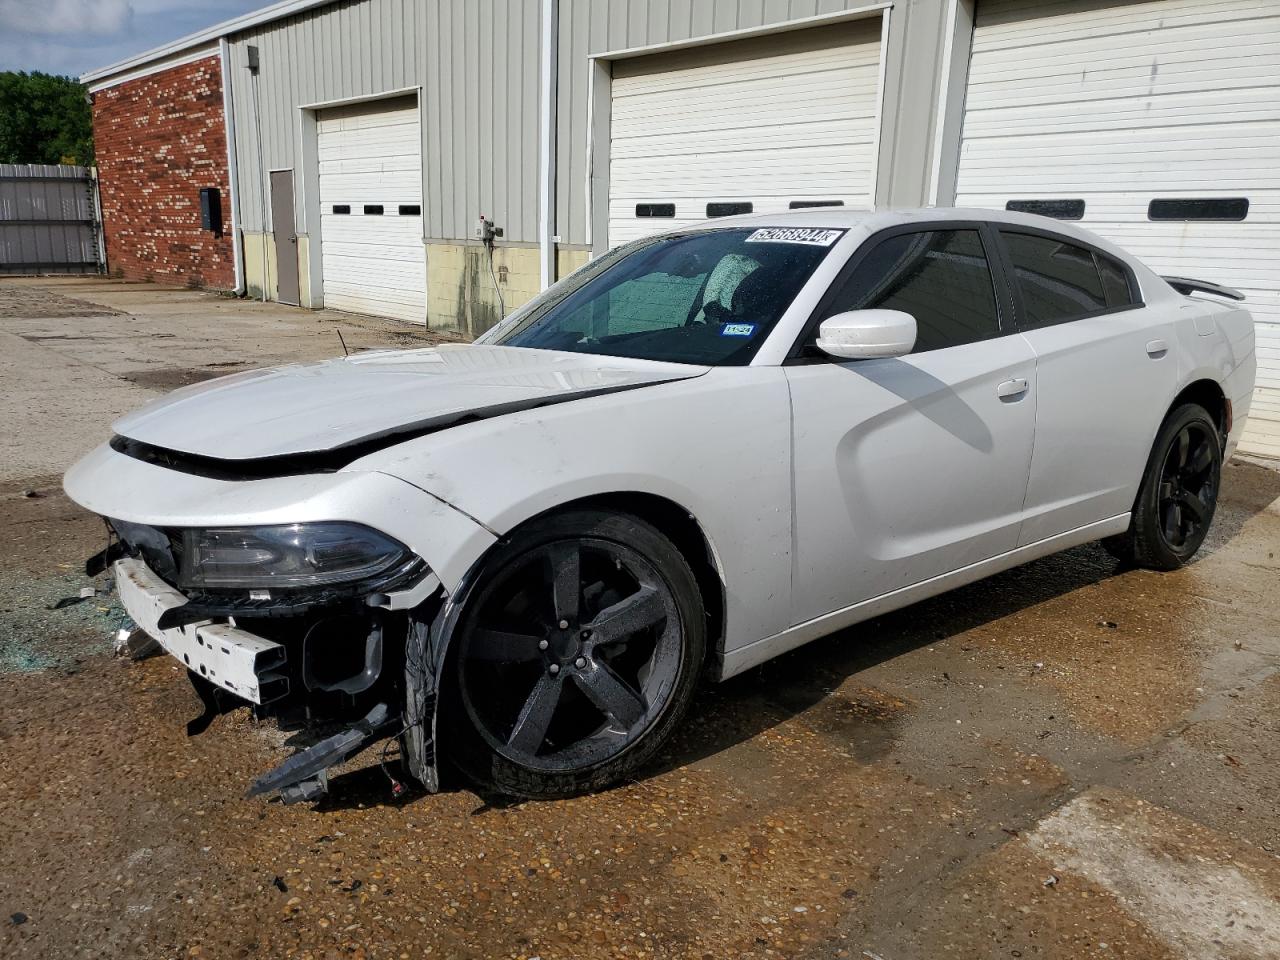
<point>1004,21</point>
<point>1121,104</point>
<point>784,136</point>
<point>1259,105</point>
<point>784,118</point>
<point>372,263</point>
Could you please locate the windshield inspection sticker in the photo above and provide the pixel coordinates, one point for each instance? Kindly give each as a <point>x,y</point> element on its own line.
<point>813,236</point>
<point>737,329</point>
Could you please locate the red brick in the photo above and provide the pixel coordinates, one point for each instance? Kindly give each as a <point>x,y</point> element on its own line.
<point>159,139</point>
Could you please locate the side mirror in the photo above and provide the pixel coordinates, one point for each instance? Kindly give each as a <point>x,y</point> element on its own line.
<point>867,334</point>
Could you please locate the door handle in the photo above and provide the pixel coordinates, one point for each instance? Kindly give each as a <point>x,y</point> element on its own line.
<point>1157,349</point>
<point>1012,389</point>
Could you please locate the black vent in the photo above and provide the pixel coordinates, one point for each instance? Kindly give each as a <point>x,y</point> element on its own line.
<point>342,208</point>
<point>410,210</point>
<point>728,209</point>
<point>655,209</point>
<point>373,209</point>
<point>807,204</point>
<point>1058,209</point>
<point>1208,208</point>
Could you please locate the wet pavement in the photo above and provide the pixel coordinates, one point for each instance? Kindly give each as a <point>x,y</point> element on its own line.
<point>1065,761</point>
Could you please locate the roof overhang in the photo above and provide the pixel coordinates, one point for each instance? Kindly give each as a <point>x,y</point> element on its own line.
<point>190,47</point>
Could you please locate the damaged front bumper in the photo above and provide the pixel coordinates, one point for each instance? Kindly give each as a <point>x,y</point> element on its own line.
<point>347,669</point>
<point>248,666</point>
<point>295,675</point>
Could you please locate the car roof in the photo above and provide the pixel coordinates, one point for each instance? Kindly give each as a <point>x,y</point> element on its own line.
<point>889,217</point>
<point>872,221</point>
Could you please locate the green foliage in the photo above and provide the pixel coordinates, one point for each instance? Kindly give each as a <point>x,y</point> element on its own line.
<point>44,119</point>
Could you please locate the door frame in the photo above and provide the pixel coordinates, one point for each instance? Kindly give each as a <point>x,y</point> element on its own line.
<point>600,102</point>
<point>309,154</point>
<point>1006,305</point>
<point>292,248</point>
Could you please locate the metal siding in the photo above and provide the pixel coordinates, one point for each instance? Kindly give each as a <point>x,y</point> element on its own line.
<point>470,56</point>
<point>49,221</point>
<point>477,63</point>
<point>1119,105</point>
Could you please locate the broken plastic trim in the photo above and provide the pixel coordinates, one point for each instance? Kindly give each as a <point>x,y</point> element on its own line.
<point>206,606</point>
<point>305,775</point>
<point>335,458</point>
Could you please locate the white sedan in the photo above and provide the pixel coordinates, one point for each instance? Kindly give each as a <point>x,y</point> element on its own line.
<point>695,453</point>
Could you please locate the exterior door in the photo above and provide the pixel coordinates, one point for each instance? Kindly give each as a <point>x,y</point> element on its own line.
<point>371,228</point>
<point>1105,371</point>
<point>753,125</point>
<point>911,467</point>
<point>286,236</point>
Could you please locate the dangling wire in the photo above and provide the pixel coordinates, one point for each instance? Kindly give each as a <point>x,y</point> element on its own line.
<point>502,306</point>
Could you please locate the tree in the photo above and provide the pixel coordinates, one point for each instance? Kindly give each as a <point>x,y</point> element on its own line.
<point>44,119</point>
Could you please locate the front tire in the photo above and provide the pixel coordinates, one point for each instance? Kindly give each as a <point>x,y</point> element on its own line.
<point>1178,496</point>
<point>574,658</point>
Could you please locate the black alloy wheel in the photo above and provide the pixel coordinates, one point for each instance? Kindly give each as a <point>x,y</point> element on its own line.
<point>1188,485</point>
<point>1179,493</point>
<point>575,656</point>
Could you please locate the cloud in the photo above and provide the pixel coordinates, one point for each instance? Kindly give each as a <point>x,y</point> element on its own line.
<point>57,17</point>
<point>75,36</point>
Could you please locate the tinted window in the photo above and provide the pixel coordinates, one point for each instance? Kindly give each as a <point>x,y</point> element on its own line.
<point>941,278</point>
<point>707,297</point>
<point>1058,280</point>
<point>1115,281</point>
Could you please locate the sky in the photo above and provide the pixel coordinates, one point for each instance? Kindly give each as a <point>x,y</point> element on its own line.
<point>75,36</point>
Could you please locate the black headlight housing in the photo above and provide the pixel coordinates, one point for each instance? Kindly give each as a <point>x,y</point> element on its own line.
<point>333,556</point>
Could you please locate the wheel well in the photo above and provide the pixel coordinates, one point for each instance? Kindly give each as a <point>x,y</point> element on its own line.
<point>680,527</point>
<point>1209,395</point>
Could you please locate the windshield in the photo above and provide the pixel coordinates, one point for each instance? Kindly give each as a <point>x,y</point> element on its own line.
<point>709,297</point>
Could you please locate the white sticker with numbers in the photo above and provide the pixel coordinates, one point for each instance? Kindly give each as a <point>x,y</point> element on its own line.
<point>813,236</point>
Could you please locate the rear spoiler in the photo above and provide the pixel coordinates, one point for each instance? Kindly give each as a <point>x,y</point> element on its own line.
<point>1186,286</point>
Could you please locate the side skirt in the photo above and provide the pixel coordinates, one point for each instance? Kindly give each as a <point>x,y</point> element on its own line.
<point>753,654</point>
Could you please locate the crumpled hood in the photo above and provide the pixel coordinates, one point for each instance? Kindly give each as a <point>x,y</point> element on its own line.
<point>317,407</point>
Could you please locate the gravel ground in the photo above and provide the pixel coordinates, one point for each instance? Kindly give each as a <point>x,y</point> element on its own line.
<point>1064,761</point>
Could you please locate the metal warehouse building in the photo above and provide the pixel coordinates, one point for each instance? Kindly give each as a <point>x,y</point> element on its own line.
<point>339,153</point>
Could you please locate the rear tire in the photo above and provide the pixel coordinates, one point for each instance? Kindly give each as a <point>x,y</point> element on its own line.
<point>575,657</point>
<point>1178,496</point>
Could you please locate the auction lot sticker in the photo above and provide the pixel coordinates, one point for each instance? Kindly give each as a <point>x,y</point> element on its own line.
<point>813,236</point>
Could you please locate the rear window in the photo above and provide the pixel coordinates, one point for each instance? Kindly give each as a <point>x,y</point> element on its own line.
<point>1058,281</point>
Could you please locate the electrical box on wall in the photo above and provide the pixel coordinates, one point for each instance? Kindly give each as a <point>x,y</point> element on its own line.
<point>211,210</point>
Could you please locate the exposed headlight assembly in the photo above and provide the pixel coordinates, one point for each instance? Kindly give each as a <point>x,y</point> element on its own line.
<point>298,555</point>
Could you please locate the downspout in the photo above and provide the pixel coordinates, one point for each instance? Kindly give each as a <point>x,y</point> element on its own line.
<point>547,141</point>
<point>233,171</point>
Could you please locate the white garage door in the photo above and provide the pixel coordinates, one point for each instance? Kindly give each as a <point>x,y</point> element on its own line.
<point>770,122</point>
<point>371,210</point>
<point>1172,100</point>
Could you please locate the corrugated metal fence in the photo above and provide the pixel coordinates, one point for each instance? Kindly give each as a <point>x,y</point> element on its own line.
<point>50,220</point>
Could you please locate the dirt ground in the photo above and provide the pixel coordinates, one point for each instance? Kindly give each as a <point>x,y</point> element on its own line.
<point>1064,761</point>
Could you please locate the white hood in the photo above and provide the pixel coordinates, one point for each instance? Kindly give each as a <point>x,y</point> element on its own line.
<point>315,407</point>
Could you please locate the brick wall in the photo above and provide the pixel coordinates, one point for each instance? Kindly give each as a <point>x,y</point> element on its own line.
<point>160,139</point>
